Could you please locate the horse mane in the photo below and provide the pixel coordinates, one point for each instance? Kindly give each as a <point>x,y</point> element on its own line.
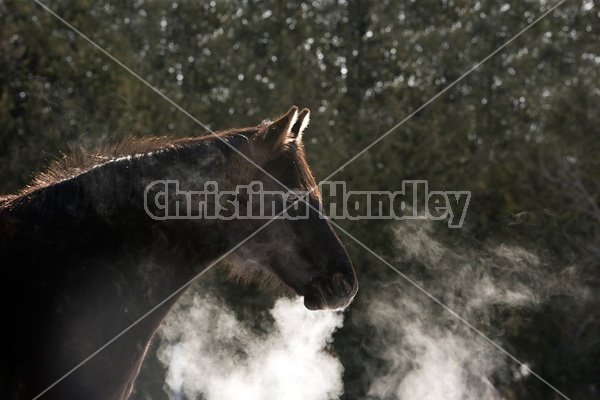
<point>79,160</point>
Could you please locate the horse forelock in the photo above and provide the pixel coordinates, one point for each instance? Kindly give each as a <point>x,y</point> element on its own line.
<point>307,182</point>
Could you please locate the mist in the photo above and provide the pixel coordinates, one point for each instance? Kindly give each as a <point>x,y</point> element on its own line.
<point>209,353</point>
<point>427,353</point>
<point>410,347</point>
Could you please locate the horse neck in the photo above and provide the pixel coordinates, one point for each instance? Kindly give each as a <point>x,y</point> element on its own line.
<point>101,213</point>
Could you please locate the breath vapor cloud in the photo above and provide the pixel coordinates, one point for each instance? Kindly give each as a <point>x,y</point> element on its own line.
<point>211,354</point>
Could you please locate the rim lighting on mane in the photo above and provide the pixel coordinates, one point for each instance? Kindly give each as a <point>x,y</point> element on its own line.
<point>83,262</point>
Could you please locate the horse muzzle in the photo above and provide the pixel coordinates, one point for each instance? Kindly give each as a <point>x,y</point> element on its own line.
<point>336,292</point>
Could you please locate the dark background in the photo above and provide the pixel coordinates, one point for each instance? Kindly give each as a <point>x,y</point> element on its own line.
<point>522,133</point>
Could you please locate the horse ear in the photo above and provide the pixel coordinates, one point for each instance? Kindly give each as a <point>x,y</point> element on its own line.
<point>278,132</point>
<point>300,125</point>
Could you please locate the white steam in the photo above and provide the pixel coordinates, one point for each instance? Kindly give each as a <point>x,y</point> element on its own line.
<point>428,359</point>
<point>409,347</point>
<point>429,354</point>
<point>211,354</point>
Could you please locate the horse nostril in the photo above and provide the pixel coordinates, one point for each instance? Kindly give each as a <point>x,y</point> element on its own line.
<point>342,287</point>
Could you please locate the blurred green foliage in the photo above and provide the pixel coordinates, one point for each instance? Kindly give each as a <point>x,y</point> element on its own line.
<point>521,132</point>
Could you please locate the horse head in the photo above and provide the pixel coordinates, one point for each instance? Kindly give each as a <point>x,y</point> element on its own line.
<point>299,248</point>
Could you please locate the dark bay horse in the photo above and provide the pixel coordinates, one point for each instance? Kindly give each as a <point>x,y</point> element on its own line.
<point>82,259</point>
